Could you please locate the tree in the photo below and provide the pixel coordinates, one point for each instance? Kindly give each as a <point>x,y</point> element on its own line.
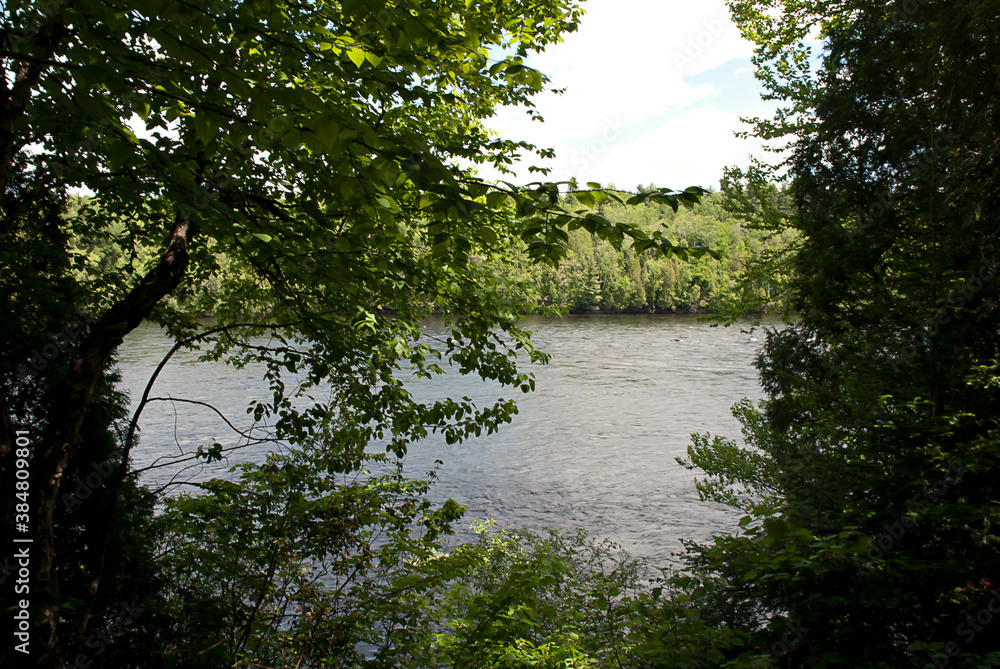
<point>875,454</point>
<point>291,169</point>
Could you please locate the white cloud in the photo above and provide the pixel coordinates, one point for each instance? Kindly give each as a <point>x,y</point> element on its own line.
<point>627,96</point>
<point>690,149</point>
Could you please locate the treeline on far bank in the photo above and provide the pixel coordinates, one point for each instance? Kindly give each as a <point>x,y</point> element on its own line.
<point>597,277</point>
<point>749,270</point>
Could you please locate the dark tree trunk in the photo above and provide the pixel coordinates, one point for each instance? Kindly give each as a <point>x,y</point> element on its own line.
<point>61,439</point>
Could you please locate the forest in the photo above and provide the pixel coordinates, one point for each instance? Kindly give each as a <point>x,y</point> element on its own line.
<point>596,276</point>
<point>306,174</point>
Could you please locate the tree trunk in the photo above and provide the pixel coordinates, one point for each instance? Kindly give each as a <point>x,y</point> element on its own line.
<point>52,452</point>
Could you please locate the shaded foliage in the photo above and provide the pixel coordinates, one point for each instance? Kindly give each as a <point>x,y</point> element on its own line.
<point>875,524</point>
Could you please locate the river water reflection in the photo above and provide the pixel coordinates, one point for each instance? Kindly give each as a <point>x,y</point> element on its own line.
<point>593,447</point>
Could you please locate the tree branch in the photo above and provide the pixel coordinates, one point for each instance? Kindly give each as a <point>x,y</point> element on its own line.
<point>16,101</point>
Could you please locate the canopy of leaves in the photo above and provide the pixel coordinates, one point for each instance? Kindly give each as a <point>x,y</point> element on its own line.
<point>300,172</point>
<point>872,499</point>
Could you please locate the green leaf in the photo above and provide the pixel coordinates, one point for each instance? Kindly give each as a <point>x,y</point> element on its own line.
<point>496,199</point>
<point>386,202</point>
<point>488,235</point>
<point>357,56</point>
<point>205,127</point>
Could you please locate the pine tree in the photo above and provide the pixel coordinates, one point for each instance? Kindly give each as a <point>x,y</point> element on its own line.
<point>880,429</point>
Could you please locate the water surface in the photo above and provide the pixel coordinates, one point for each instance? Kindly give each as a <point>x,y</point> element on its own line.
<point>593,447</point>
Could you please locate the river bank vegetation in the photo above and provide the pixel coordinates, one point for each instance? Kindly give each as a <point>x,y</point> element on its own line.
<point>597,276</point>
<point>291,157</point>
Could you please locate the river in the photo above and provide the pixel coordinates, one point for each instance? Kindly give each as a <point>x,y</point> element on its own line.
<point>593,447</point>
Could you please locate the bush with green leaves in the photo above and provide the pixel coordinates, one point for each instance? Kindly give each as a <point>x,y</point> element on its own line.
<point>515,598</point>
<point>286,565</point>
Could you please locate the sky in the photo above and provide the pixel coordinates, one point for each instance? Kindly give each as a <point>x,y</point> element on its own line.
<point>654,93</point>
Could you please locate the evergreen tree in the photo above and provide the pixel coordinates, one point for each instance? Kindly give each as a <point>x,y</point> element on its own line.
<point>879,443</point>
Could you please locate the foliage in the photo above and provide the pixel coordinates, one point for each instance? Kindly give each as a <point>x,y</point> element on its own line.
<point>738,476</point>
<point>876,450</point>
<point>129,577</point>
<point>286,565</point>
<point>520,599</point>
<point>282,567</point>
<point>300,172</point>
<point>596,275</point>
<point>767,276</point>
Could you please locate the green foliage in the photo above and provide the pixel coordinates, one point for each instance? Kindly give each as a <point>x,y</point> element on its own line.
<point>519,599</point>
<point>286,565</point>
<point>675,624</point>
<point>744,477</point>
<point>767,276</point>
<point>596,274</point>
<point>125,570</point>
<point>301,173</point>
<point>874,456</point>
